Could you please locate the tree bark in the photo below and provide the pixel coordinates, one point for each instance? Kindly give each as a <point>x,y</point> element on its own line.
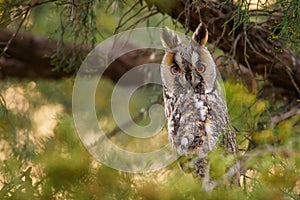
<point>29,56</point>
<point>250,46</point>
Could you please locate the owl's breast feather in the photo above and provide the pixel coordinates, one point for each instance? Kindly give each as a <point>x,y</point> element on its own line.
<point>189,124</point>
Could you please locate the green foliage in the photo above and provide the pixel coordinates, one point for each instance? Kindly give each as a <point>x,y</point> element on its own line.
<point>216,157</point>
<point>248,114</point>
<point>273,165</point>
<point>289,26</point>
<point>255,12</point>
<point>77,23</point>
<point>56,165</point>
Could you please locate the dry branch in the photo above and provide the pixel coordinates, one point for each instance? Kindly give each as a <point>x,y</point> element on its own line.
<point>29,56</point>
<point>284,115</point>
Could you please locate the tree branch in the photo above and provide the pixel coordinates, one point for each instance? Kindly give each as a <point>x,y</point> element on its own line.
<point>292,111</point>
<point>29,56</point>
<point>261,53</point>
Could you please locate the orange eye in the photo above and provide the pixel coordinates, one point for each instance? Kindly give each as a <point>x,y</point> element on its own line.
<point>175,69</point>
<point>200,68</point>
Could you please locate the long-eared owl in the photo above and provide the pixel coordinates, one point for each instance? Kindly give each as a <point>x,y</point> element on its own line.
<point>195,108</point>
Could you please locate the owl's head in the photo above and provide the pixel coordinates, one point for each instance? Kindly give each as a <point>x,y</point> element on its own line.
<point>188,65</point>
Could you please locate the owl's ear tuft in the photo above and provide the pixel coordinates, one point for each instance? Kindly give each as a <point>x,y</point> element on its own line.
<point>201,34</point>
<point>169,39</point>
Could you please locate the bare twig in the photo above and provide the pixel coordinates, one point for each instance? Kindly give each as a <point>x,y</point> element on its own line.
<point>236,40</point>
<point>293,80</point>
<point>219,39</point>
<point>245,53</point>
<point>120,25</point>
<point>134,24</point>
<point>15,34</point>
<point>276,119</point>
<point>161,21</point>
<point>123,16</point>
<point>25,13</point>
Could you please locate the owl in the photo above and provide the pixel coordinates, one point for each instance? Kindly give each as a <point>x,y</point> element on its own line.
<point>195,108</point>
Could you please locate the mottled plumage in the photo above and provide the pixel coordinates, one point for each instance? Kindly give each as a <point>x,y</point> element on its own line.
<point>194,103</point>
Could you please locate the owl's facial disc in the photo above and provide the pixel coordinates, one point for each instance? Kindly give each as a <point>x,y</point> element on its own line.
<point>182,65</point>
<point>205,66</point>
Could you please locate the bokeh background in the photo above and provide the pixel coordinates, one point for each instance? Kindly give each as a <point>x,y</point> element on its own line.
<point>44,42</point>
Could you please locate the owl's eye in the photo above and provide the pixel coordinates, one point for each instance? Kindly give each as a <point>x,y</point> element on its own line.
<point>175,69</point>
<point>200,68</point>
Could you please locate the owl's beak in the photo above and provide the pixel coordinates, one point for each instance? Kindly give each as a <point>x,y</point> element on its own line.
<point>189,76</point>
